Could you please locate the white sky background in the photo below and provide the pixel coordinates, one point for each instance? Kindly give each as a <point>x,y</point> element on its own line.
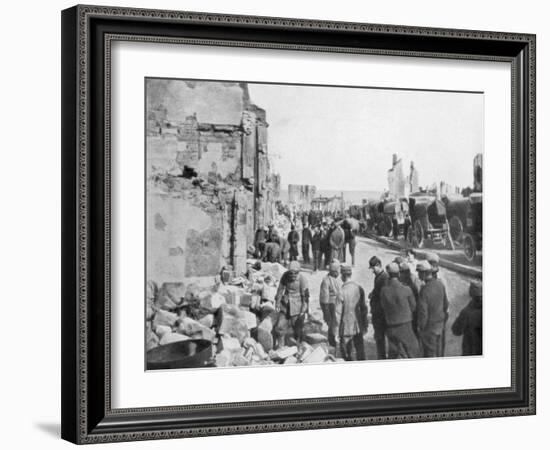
<point>343,138</point>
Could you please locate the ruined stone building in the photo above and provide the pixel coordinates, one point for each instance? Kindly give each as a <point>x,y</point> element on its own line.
<point>413,179</point>
<point>209,180</point>
<point>397,182</point>
<point>300,196</point>
<point>333,204</point>
<point>478,172</point>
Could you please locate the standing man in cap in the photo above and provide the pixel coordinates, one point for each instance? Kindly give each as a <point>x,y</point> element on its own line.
<point>353,320</point>
<point>407,278</point>
<point>293,239</point>
<point>330,292</point>
<point>399,305</point>
<point>337,242</point>
<point>316,242</point>
<point>260,240</point>
<point>291,302</point>
<point>306,242</point>
<point>469,323</point>
<point>377,313</point>
<point>433,307</point>
<point>433,259</point>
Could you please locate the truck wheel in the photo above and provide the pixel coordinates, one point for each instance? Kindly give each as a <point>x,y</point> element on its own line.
<point>469,247</point>
<point>456,229</point>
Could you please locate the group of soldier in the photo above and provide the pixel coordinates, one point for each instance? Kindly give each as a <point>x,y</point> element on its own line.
<point>320,244</point>
<point>409,311</point>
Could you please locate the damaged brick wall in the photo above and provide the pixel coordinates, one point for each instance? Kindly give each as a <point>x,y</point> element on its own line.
<point>209,181</point>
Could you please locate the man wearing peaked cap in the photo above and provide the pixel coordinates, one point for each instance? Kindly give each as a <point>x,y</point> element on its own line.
<point>292,302</point>
<point>377,313</point>
<point>469,322</point>
<point>423,266</point>
<point>433,311</point>
<point>329,294</point>
<point>399,304</point>
<point>411,280</point>
<point>353,317</point>
<point>433,259</point>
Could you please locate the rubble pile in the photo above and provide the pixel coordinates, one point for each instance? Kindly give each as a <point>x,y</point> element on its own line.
<point>236,317</point>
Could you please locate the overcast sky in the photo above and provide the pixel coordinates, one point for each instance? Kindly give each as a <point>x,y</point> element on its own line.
<point>343,138</point>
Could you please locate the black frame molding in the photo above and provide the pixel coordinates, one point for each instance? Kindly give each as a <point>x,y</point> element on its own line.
<point>87,33</point>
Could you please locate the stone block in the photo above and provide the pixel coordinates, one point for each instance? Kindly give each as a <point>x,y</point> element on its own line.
<point>265,338</point>
<point>229,344</point>
<point>233,323</point>
<point>285,352</point>
<point>318,355</point>
<point>161,330</point>
<point>152,340</point>
<point>224,358</point>
<point>168,338</point>
<point>163,317</point>
<point>212,302</point>
<point>251,320</point>
<point>315,339</point>
<point>170,296</point>
<point>291,360</point>
<point>207,321</point>
<point>189,326</point>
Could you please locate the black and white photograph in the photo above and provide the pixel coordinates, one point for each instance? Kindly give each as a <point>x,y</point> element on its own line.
<point>311,224</point>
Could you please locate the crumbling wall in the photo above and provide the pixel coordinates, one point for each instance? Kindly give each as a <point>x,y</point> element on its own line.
<point>208,178</point>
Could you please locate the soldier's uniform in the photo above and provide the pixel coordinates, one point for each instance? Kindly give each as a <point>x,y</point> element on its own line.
<point>398,303</point>
<point>469,323</point>
<point>292,301</point>
<point>331,290</point>
<point>433,307</point>
<point>353,320</point>
<point>377,314</point>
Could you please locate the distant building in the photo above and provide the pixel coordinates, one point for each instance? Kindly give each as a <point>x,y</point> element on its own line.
<point>396,179</point>
<point>300,196</point>
<point>328,204</point>
<point>478,173</point>
<point>209,183</point>
<point>413,179</point>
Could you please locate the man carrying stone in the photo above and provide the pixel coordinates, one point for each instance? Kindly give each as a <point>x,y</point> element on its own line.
<point>433,307</point>
<point>399,304</point>
<point>291,302</point>
<point>377,313</point>
<point>330,291</point>
<point>353,317</point>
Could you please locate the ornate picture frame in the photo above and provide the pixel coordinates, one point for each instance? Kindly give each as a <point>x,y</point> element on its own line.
<point>88,33</point>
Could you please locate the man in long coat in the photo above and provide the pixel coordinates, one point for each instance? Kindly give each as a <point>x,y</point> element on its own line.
<point>353,317</point>
<point>306,242</point>
<point>337,242</point>
<point>329,293</point>
<point>316,243</point>
<point>399,304</point>
<point>292,303</point>
<point>433,310</point>
<point>293,239</point>
<point>469,323</point>
<point>377,313</point>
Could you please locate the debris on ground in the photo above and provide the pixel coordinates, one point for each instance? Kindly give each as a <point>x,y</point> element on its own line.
<point>237,315</point>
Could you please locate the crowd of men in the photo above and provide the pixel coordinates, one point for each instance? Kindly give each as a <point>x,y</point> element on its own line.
<point>409,311</point>
<point>327,239</point>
